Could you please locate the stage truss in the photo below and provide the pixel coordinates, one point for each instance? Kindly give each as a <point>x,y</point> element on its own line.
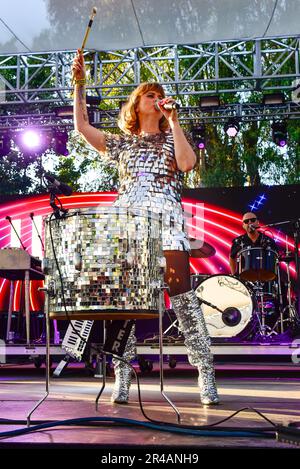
<point>33,84</point>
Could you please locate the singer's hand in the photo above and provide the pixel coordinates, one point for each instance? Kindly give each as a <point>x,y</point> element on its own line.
<point>78,67</point>
<point>170,115</point>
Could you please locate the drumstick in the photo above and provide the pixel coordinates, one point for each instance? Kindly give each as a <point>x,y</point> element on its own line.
<point>87,31</point>
<point>89,26</point>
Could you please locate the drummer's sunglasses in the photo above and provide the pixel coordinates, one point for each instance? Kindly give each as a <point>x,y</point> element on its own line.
<point>249,219</point>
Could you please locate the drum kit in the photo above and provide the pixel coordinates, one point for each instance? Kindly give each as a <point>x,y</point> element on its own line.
<point>253,304</point>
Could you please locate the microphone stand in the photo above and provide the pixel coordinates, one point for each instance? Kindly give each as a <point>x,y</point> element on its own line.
<point>17,234</point>
<point>59,211</point>
<point>37,231</point>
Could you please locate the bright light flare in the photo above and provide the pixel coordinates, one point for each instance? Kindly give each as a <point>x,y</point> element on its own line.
<point>31,139</point>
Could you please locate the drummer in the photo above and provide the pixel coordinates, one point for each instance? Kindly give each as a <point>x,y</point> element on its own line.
<point>252,238</point>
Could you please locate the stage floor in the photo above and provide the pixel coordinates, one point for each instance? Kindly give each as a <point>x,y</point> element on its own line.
<point>276,394</point>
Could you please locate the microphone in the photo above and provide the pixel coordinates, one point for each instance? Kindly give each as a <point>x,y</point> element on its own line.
<point>253,228</point>
<point>167,106</point>
<point>8,218</point>
<point>61,187</point>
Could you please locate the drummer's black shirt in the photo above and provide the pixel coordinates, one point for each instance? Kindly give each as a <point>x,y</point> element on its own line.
<point>243,241</point>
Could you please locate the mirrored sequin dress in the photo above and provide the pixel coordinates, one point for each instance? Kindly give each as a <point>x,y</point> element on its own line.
<point>150,179</point>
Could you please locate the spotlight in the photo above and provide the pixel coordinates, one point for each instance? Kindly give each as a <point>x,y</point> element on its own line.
<point>198,134</point>
<point>63,111</point>
<point>60,142</point>
<point>273,98</point>
<point>232,127</point>
<point>31,139</point>
<point>33,142</point>
<point>279,133</point>
<point>4,145</point>
<point>209,102</point>
<point>93,100</point>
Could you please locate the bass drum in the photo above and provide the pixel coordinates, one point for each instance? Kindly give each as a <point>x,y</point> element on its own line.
<point>231,296</point>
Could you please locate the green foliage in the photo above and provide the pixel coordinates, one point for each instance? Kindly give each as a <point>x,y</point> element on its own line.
<point>15,175</point>
<point>84,169</point>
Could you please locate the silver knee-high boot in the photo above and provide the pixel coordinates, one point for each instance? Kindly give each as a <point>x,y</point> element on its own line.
<point>120,393</point>
<point>197,341</point>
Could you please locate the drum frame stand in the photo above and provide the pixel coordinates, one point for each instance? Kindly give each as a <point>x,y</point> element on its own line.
<point>264,330</point>
<point>50,292</point>
<point>280,320</point>
<point>261,316</point>
<point>292,312</point>
<point>160,293</point>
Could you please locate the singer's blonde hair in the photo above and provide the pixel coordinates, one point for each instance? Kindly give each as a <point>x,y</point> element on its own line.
<point>128,118</point>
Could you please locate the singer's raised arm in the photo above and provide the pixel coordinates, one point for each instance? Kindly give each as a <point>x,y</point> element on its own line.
<point>93,136</point>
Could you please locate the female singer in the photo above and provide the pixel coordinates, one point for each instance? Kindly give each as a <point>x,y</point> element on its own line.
<point>152,153</point>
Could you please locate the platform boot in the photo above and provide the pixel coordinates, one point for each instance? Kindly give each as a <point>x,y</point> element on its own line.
<point>197,341</point>
<point>123,372</point>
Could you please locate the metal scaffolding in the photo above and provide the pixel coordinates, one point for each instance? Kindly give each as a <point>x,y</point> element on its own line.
<point>32,84</point>
<point>107,119</point>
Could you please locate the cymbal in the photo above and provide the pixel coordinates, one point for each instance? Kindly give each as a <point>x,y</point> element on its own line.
<point>204,250</point>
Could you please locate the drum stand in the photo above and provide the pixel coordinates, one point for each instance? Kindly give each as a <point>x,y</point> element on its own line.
<point>48,293</point>
<point>264,330</point>
<point>281,319</point>
<point>160,293</point>
<point>292,318</point>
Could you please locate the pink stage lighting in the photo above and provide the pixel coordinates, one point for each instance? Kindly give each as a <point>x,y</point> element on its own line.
<point>33,142</point>
<point>31,139</point>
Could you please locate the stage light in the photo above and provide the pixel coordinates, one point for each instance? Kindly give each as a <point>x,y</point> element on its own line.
<point>198,134</point>
<point>279,133</point>
<point>64,111</point>
<point>273,99</point>
<point>31,139</point>
<point>33,142</point>
<point>232,127</point>
<point>60,142</point>
<point>209,102</point>
<point>4,144</point>
<point>93,100</point>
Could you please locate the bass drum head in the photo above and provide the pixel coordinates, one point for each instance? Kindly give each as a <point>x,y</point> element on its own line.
<point>230,295</point>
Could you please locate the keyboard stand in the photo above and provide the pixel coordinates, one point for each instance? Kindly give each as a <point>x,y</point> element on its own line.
<point>26,277</point>
<point>17,264</point>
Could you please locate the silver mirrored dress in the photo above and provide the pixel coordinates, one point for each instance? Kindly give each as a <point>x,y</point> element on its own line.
<point>150,179</point>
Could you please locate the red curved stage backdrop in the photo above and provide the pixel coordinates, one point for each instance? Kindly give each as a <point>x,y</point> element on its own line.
<point>214,224</point>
